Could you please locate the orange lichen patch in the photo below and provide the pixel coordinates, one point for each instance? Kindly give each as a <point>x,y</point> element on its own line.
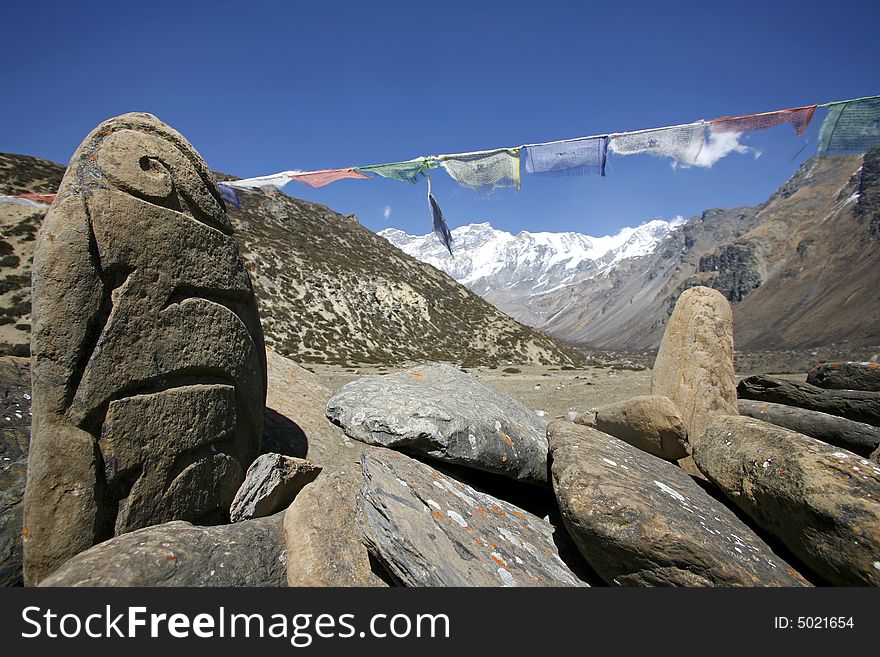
<point>873,366</point>
<point>25,532</point>
<point>507,438</point>
<point>504,458</point>
<point>763,405</point>
<point>495,509</point>
<point>500,562</point>
<point>437,515</point>
<point>481,509</point>
<point>537,578</point>
<point>547,553</point>
<point>170,557</point>
<point>519,515</point>
<point>416,374</point>
<point>491,546</point>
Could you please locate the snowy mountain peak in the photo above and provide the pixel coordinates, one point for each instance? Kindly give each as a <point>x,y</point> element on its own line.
<point>490,261</point>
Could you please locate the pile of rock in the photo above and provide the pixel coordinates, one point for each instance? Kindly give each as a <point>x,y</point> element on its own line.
<point>155,458</point>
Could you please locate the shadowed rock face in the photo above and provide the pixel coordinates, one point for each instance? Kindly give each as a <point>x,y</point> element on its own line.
<point>149,370</point>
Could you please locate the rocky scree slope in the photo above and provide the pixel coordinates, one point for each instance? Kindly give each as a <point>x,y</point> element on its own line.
<point>329,290</point>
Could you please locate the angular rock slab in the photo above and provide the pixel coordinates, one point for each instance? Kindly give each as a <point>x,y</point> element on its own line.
<point>270,485</point>
<point>149,370</point>
<point>249,553</point>
<point>442,412</point>
<point>822,502</point>
<point>649,422</point>
<point>641,521</point>
<point>694,365</point>
<point>295,422</point>
<point>846,376</point>
<point>430,530</point>
<point>327,548</point>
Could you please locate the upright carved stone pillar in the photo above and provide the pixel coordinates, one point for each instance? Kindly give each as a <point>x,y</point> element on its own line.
<point>149,369</point>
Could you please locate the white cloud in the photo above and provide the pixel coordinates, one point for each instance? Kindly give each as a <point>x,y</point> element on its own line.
<point>386,211</point>
<point>722,144</point>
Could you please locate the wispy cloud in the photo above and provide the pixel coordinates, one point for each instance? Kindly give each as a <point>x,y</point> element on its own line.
<point>386,211</point>
<point>720,145</point>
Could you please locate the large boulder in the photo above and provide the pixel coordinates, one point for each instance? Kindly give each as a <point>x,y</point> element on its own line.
<point>13,475</point>
<point>442,412</point>
<point>249,553</point>
<point>694,366</point>
<point>649,422</point>
<point>149,370</point>
<point>327,548</point>
<point>823,502</point>
<point>428,529</point>
<point>295,422</point>
<point>846,376</point>
<point>270,485</point>
<point>639,520</point>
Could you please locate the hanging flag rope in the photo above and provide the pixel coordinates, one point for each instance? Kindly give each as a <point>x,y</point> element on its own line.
<point>487,170</point>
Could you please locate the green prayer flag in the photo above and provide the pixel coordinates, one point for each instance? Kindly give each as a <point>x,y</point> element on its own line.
<point>408,171</point>
<point>852,127</point>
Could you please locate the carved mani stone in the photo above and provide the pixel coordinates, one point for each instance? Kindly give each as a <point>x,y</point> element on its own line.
<point>149,369</point>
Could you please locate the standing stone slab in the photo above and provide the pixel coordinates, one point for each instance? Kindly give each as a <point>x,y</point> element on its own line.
<point>649,422</point>
<point>270,485</point>
<point>641,521</point>
<point>149,370</point>
<point>442,412</point>
<point>430,530</point>
<point>846,376</point>
<point>327,548</point>
<point>823,502</point>
<point>13,475</point>
<point>249,553</point>
<point>694,365</point>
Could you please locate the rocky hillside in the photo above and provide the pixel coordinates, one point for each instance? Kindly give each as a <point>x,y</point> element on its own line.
<point>329,289</point>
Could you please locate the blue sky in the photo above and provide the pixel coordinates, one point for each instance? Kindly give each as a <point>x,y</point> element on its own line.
<point>268,86</point>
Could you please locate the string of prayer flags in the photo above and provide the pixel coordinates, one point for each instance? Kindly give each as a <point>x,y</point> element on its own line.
<point>33,200</point>
<point>573,157</point>
<point>326,176</point>
<point>274,180</point>
<point>409,171</point>
<point>682,143</point>
<point>441,230</point>
<point>229,195</point>
<point>484,171</point>
<point>798,117</point>
<point>851,127</point>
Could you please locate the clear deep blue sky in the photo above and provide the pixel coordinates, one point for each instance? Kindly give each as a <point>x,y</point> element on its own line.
<point>266,86</point>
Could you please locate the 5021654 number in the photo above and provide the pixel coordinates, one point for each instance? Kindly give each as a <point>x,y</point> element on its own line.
<point>813,622</point>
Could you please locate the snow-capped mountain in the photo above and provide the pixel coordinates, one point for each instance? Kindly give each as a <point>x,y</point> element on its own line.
<point>508,270</point>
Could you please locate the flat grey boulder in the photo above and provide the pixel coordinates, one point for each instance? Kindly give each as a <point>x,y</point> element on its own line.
<point>823,502</point>
<point>428,529</point>
<point>249,553</point>
<point>270,484</point>
<point>641,521</point>
<point>327,548</point>
<point>442,412</point>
